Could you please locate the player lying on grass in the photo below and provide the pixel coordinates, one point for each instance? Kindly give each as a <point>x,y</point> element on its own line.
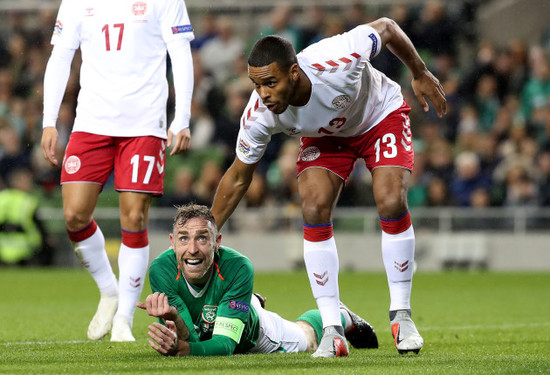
<point>202,292</point>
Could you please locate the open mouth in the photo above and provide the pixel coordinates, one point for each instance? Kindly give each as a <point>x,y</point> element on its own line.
<point>193,263</point>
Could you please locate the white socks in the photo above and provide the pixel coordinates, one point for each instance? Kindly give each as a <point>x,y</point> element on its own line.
<point>132,263</point>
<point>398,256</point>
<point>91,253</point>
<point>321,259</point>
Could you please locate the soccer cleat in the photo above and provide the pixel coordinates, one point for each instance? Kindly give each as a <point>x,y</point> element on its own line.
<point>332,344</point>
<point>122,331</point>
<point>103,319</point>
<point>403,329</point>
<point>361,335</point>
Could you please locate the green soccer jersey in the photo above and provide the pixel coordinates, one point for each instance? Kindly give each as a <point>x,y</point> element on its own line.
<point>221,308</point>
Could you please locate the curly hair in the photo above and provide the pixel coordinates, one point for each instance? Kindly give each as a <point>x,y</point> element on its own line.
<point>193,211</point>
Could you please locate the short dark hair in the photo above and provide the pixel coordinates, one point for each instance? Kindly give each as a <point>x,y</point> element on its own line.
<point>272,48</point>
<point>193,211</point>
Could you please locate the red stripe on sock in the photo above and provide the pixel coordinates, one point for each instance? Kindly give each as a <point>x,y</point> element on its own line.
<point>396,226</point>
<point>83,234</point>
<point>135,239</point>
<point>318,233</point>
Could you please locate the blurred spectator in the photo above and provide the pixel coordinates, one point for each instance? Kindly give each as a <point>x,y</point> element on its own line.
<point>434,32</point>
<point>438,193</point>
<point>355,15</point>
<point>486,102</point>
<point>12,154</point>
<point>23,239</point>
<point>467,178</point>
<point>207,31</point>
<point>520,188</point>
<point>281,24</point>
<point>207,182</point>
<point>315,22</point>
<point>182,191</point>
<point>219,53</point>
<point>536,92</point>
<point>227,125</point>
<point>543,182</point>
<point>281,175</point>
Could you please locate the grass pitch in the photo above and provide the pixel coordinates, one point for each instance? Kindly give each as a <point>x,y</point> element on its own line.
<point>476,323</point>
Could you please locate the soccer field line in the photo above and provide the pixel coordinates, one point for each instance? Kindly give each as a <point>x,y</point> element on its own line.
<point>486,326</point>
<point>429,328</point>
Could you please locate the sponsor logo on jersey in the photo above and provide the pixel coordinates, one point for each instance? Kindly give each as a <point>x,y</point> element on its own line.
<point>72,164</point>
<point>209,313</point>
<point>240,306</point>
<point>139,8</point>
<point>311,153</point>
<point>182,29</point>
<point>58,28</point>
<point>244,148</point>
<point>341,101</point>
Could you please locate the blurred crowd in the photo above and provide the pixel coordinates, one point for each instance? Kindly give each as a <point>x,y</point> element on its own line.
<point>492,148</point>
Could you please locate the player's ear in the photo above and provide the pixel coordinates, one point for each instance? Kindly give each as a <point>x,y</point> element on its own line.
<point>294,72</point>
<point>172,240</point>
<point>218,240</point>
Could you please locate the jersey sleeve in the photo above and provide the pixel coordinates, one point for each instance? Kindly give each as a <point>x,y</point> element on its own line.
<point>66,31</point>
<point>163,281</point>
<point>366,39</point>
<point>174,21</point>
<point>217,345</point>
<point>254,134</point>
<point>234,307</point>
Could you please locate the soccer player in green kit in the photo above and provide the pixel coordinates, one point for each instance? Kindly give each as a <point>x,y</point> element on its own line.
<point>203,295</point>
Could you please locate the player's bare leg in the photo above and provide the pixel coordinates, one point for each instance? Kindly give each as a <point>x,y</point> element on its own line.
<point>79,200</point>
<point>390,190</point>
<point>133,260</point>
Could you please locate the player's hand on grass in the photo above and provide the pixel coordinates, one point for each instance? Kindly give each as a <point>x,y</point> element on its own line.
<point>180,142</point>
<point>157,305</point>
<point>49,144</point>
<point>164,339</point>
<point>427,85</point>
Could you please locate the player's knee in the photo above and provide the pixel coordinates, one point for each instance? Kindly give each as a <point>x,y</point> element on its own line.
<point>391,206</point>
<point>133,220</point>
<point>76,220</point>
<point>316,209</point>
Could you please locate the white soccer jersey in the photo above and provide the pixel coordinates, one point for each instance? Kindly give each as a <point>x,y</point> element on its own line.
<point>348,96</point>
<point>123,75</point>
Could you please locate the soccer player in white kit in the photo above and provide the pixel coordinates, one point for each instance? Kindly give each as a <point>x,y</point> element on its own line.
<point>343,109</point>
<point>120,126</point>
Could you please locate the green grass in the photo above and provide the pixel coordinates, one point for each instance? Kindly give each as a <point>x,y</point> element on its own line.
<point>472,323</point>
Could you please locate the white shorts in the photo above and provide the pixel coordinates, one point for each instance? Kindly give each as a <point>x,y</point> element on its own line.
<point>277,335</point>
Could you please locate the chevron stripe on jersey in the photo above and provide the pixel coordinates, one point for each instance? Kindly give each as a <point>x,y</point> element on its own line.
<point>250,113</point>
<point>335,65</point>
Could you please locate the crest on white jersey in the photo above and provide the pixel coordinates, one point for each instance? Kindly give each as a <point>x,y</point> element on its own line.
<point>139,8</point>
<point>341,101</point>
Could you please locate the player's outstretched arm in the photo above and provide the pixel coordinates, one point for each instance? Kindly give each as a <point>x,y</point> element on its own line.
<point>424,83</point>
<point>232,187</point>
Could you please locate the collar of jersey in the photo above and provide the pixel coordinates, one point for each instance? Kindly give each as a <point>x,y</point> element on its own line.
<point>193,289</point>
